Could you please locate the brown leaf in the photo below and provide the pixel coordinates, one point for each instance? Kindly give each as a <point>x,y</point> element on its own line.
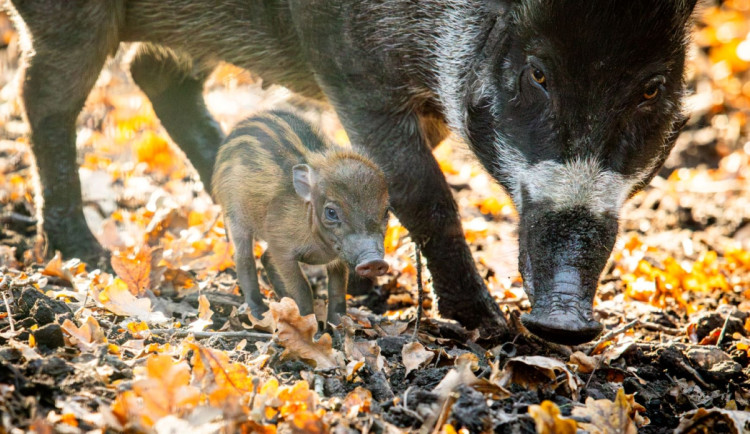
<point>369,351</point>
<point>607,417</point>
<point>548,420</point>
<point>87,336</point>
<point>586,364</point>
<point>295,333</point>
<point>204,315</point>
<point>55,267</point>
<point>463,374</point>
<point>414,355</point>
<point>117,299</point>
<point>357,401</point>
<point>265,324</point>
<point>134,268</point>
<point>711,420</point>
<point>534,372</point>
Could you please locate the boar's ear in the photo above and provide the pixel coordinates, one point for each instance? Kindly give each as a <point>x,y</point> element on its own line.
<point>302,178</point>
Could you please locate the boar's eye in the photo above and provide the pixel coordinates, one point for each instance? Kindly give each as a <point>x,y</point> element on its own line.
<point>653,89</point>
<point>651,92</point>
<point>538,77</point>
<point>331,214</point>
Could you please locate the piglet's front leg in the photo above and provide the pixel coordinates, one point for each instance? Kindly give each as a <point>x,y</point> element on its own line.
<point>296,285</point>
<point>337,282</point>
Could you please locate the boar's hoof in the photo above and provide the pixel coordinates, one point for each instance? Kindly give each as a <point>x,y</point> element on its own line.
<point>371,269</point>
<point>562,322</point>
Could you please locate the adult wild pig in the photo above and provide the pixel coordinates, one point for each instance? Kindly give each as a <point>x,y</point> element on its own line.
<point>572,106</point>
<point>277,180</point>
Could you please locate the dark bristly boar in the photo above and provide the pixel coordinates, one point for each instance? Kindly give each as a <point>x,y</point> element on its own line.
<point>277,180</point>
<point>571,105</point>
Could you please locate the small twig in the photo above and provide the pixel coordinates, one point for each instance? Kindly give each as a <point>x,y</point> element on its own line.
<point>593,371</point>
<point>181,333</point>
<point>5,284</point>
<point>444,412</point>
<point>660,328</point>
<point>10,316</point>
<point>14,217</point>
<point>420,294</point>
<point>723,330</point>
<point>614,333</point>
<point>696,376</point>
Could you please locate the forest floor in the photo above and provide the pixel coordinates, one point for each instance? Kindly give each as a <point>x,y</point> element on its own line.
<point>159,344</point>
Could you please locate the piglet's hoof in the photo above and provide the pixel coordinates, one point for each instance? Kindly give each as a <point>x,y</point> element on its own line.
<point>254,310</point>
<point>565,324</point>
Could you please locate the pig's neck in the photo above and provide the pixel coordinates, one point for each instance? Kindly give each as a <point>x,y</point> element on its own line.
<point>460,39</point>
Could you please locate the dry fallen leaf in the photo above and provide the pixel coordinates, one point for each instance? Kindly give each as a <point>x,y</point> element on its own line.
<point>117,299</point>
<point>87,336</point>
<point>221,378</point>
<point>357,401</point>
<point>463,374</point>
<point>586,364</point>
<point>66,271</point>
<point>162,389</point>
<point>413,355</point>
<point>204,315</point>
<point>548,420</point>
<point>534,372</point>
<point>295,333</point>
<point>619,417</point>
<point>134,268</point>
<point>714,420</point>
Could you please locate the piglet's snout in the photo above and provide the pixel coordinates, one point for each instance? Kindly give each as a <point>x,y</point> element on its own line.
<point>372,268</point>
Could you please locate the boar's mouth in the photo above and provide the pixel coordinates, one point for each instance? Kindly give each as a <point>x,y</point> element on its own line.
<point>563,314</point>
<point>562,254</point>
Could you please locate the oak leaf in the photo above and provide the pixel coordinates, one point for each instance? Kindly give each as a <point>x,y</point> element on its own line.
<point>87,336</point>
<point>134,268</point>
<point>616,417</point>
<point>295,333</point>
<point>548,420</point>
<point>413,355</point>
<point>116,298</point>
<point>162,389</point>
<point>463,374</point>
<point>535,372</point>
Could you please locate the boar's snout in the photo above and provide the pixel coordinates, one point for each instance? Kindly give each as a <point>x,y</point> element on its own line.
<point>372,268</point>
<point>563,253</point>
<point>563,315</point>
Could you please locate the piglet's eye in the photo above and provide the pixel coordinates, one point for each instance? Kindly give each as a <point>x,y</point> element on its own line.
<point>331,214</point>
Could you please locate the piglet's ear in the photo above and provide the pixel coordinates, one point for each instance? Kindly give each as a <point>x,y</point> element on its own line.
<point>302,178</point>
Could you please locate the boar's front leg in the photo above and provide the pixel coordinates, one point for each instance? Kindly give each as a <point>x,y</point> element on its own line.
<point>337,283</point>
<point>422,201</point>
<point>68,52</point>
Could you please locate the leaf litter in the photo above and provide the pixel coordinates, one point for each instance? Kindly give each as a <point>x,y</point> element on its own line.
<point>161,344</point>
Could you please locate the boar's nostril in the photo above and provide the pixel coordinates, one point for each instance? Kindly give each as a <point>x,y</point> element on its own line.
<point>373,268</point>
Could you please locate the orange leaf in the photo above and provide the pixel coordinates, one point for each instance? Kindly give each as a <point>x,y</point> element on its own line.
<point>295,333</point>
<point>618,416</point>
<point>548,420</point>
<point>134,268</point>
